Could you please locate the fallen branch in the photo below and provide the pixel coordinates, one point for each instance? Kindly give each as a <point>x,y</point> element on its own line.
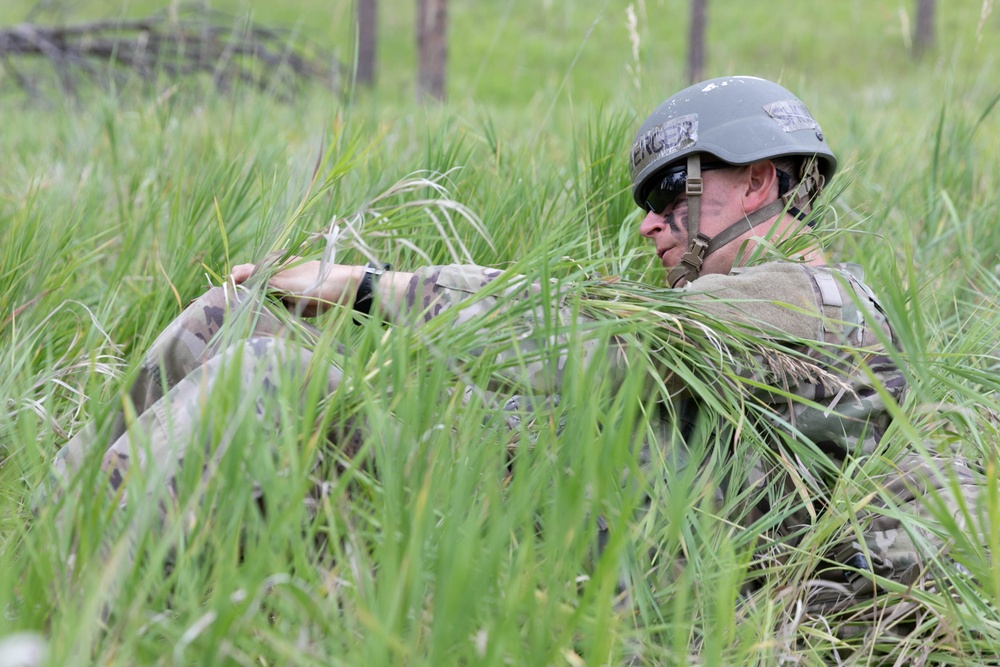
<point>192,41</point>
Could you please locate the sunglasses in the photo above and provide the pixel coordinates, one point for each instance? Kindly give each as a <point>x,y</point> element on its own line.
<point>672,186</point>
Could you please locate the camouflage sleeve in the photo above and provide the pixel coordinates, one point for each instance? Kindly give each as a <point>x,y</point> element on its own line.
<point>529,355</point>
<point>434,289</point>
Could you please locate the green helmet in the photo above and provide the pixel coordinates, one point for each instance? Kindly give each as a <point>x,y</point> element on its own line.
<point>736,119</point>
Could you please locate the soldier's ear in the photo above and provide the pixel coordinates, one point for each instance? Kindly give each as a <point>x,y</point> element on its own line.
<point>761,180</point>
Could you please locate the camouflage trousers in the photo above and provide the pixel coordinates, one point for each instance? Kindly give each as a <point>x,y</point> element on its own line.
<point>905,525</point>
<point>219,336</point>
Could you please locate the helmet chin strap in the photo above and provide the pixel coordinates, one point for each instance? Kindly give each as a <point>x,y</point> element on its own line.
<point>699,245</point>
<point>697,242</point>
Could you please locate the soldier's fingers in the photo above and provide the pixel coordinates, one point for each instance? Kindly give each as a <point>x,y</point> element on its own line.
<point>241,272</point>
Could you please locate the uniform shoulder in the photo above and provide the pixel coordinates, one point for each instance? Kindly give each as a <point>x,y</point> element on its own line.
<point>776,299</point>
<point>800,300</point>
<point>771,281</point>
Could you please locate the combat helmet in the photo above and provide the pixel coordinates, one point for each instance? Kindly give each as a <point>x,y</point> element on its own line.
<point>735,120</point>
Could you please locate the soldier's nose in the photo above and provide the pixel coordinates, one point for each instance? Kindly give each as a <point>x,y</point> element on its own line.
<point>652,225</point>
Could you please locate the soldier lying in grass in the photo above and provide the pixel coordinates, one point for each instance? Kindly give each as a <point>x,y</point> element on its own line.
<point>717,167</point>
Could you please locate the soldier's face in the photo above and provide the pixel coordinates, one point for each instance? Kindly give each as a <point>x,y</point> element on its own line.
<point>721,205</point>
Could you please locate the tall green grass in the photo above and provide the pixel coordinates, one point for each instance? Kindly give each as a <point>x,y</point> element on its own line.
<point>452,538</point>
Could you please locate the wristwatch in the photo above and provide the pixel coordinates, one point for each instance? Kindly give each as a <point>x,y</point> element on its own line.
<point>366,288</point>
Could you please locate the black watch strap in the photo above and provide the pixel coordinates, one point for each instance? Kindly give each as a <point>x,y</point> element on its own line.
<point>366,288</point>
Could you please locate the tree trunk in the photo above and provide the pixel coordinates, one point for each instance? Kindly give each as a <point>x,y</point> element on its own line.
<point>367,21</point>
<point>432,48</point>
<point>696,42</point>
<point>923,35</point>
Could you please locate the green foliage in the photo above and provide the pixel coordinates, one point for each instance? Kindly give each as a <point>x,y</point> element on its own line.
<point>120,207</point>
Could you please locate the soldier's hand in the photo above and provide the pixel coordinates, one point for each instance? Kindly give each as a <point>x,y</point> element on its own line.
<point>306,289</point>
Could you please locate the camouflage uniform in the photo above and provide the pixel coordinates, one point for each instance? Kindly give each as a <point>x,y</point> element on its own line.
<point>178,373</point>
<point>779,300</point>
<point>843,419</point>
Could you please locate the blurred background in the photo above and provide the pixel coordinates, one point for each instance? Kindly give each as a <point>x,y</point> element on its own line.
<point>525,53</point>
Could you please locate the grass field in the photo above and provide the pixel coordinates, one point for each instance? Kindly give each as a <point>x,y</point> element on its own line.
<point>116,208</point>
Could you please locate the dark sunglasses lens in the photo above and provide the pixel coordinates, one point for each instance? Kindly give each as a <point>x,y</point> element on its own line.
<point>666,193</point>
<point>658,200</point>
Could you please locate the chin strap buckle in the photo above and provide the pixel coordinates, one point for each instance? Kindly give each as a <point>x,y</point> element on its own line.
<point>690,264</point>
